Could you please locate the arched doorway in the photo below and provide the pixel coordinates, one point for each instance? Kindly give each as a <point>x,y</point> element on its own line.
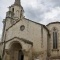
<point>16,52</point>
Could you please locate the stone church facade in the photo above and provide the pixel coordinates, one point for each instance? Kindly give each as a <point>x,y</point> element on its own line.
<point>23,39</point>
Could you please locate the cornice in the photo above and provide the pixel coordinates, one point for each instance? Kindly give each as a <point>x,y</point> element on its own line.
<point>22,39</point>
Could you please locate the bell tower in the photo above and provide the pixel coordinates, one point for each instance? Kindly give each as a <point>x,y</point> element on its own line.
<point>16,10</point>
<point>14,14</point>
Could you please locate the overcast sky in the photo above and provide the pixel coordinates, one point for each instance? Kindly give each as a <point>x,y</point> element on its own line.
<point>41,11</point>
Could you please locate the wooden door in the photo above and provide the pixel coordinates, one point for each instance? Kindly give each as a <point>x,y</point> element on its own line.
<point>20,55</point>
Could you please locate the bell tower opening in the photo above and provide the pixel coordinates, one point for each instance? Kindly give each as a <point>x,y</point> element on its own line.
<point>12,9</point>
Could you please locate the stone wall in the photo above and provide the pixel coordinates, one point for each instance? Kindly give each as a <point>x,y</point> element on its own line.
<point>33,32</point>
<point>54,52</point>
<point>1,50</point>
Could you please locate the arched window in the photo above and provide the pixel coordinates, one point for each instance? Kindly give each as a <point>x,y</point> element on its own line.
<point>54,38</point>
<point>12,9</point>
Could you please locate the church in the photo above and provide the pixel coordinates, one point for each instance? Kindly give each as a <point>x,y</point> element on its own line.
<point>24,39</point>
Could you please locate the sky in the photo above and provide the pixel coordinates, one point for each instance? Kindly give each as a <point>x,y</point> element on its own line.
<point>41,11</point>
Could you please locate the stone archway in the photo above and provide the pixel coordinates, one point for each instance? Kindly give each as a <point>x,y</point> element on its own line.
<point>16,52</point>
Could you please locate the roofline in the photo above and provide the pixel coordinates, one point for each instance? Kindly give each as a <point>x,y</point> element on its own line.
<point>38,24</point>
<point>30,21</point>
<point>53,23</point>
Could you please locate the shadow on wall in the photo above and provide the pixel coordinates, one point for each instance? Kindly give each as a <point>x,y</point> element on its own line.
<point>0,52</point>
<point>0,58</point>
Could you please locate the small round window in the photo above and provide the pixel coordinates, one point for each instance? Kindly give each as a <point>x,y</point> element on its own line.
<point>22,27</point>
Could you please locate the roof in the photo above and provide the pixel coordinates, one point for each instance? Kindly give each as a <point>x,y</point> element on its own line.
<point>57,22</point>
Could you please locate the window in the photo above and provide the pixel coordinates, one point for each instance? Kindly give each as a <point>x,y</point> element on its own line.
<point>12,9</point>
<point>22,27</point>
<point>54,39</point>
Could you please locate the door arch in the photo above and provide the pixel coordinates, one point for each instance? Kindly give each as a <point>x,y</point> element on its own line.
<point>16,52</point>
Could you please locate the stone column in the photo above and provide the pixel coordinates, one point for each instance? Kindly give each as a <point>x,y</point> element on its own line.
<point>25,55</point>
<point>28,54</point>
<point>7,55</point>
